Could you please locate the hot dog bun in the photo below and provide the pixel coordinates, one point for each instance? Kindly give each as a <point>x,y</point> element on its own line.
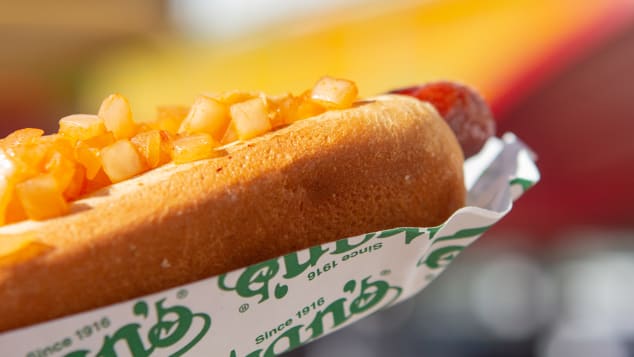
<point>387,162</point>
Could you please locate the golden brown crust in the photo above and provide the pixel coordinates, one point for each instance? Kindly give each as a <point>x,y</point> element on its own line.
<point>388,163</point>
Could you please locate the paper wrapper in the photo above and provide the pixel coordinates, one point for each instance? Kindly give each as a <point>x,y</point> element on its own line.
<point>277,305</point>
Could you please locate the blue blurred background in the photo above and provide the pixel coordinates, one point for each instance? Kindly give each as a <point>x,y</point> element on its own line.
<point>555,278</point>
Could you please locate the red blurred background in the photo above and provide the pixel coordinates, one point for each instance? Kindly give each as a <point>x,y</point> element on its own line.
<point>580,122</point>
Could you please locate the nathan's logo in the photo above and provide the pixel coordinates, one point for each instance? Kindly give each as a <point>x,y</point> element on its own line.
<point>440,257</point>
<point>367,295</point>
<point>263,279</point>
<point>255,280</point>
<point>170,327</point>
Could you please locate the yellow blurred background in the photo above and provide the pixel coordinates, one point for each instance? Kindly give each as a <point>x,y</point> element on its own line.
<point>378,44</point>
<point>66,56</point>
<point>554,279</point>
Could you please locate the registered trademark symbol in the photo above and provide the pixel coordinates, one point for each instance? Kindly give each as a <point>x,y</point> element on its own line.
<point>243,308</point>
<point>181,294</point>
<point>385,272</point>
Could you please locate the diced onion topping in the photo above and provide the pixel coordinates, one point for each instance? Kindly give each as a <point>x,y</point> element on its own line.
<point>40,174</point>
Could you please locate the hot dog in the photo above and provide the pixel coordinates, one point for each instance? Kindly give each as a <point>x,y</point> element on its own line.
<point>382,162</point>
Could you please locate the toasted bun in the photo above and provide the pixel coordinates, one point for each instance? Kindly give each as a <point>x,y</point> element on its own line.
<point>388,162</point>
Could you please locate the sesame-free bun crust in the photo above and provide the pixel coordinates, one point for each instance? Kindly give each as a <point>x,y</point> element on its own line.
<point>387,162</point>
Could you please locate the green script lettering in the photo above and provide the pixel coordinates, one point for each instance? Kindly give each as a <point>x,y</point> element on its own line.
<point>343,245</point>
<point>178,327</point>
<point>410,233</point>
<point>292,335</point>
<point>254,280</point>
<point>130,334</point>
<point>433,230</point>
<point>295,268</point>
<point>168,332</point>
<point>338,312</point>
<point>370,295</point>
<point>442,256</point>
<point>173,323</point>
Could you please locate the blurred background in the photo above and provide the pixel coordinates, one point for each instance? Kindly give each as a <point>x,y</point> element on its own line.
<point>554,278</point>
